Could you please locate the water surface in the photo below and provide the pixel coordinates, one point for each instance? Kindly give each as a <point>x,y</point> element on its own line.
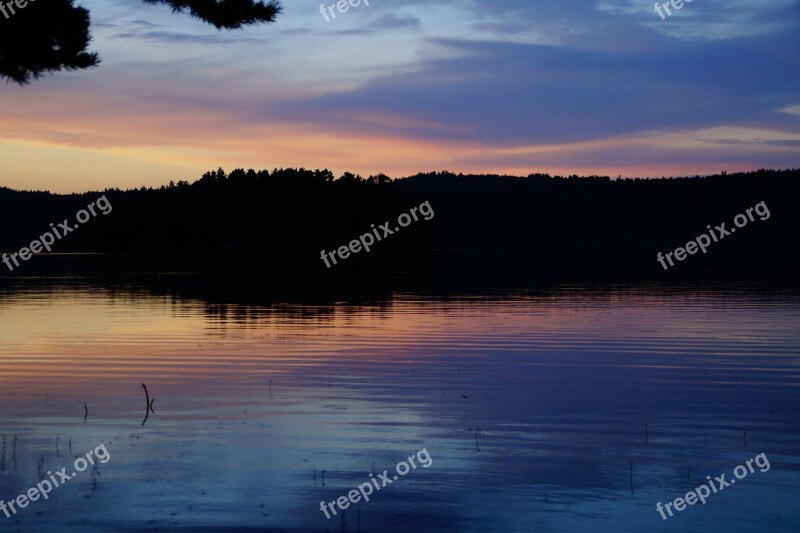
<point>574,408</point>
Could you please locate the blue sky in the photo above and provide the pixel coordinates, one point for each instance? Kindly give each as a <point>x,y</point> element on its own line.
<point>586,86</point>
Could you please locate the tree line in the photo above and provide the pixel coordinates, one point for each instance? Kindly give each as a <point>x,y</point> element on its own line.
<point>250,220</point>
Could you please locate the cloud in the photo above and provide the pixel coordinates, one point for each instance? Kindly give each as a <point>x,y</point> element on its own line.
<point>497,93</point>
<point>145,23</point>
<point>169,37</point>
<point>710,20</point>
<point>395,22</point>
<point>510,85</point>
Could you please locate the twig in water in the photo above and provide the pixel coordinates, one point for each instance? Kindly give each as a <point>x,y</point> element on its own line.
<point>85,412</point>
<point>95,475</point>
<point>149,409</point>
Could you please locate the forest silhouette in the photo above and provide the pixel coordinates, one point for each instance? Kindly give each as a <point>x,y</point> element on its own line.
<point>255,222</point>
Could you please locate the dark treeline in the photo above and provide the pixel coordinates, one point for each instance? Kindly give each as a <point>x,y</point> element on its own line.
<point>252,222</point>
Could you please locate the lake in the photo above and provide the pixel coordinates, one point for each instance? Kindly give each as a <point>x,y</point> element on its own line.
<point>570,407</point>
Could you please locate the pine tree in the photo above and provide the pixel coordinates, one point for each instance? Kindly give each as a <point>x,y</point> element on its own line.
<point>53,35</point>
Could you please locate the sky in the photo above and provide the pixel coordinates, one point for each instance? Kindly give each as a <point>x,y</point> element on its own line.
<point>588,87</point>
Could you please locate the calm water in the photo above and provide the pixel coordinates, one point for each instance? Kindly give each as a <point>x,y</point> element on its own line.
<point>571,409</point>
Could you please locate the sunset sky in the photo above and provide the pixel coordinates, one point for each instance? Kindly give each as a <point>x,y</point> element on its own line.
<point>401,86</point>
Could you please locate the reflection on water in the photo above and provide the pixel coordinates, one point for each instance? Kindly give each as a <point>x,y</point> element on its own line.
<point>571,409</point>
